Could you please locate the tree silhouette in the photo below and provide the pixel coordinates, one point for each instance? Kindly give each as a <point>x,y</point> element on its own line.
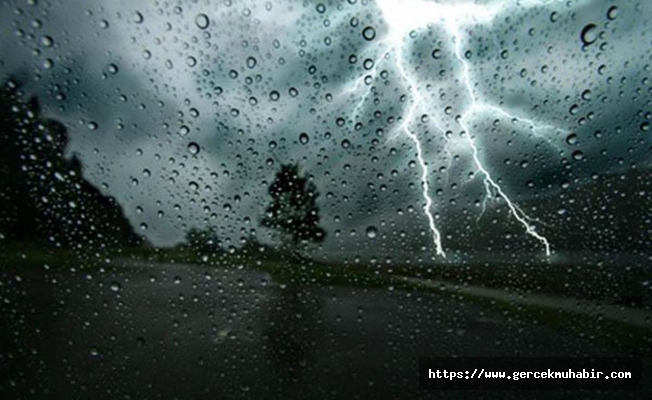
<point>44,195</point>
<point>293,211</point>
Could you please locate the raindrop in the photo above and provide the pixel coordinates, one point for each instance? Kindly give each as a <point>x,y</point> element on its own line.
<point>368,64</point>
<point>321,8</point>
<point>202,21</point>
<point>574,109</point>
<point>612,13</point>
<point>293,92</point>
<point>184,130</point>
<point>191,61</point>
<point>251,62</point>
<point>274,95</point>
<point>138,18</point>
<point>193,148</point>
<point>47,41</point>
<point>143,226</point>
<point>589,34</point>
<point>369,33</point>
<point>92,126</point>
<point>113,69</point>
<point>372,232</point>
<point>578,155</point>
<point>346,144</point>
<point>304,138</point>
<point>436,54</point>
<point>115,286</point>
<point>571,139</point>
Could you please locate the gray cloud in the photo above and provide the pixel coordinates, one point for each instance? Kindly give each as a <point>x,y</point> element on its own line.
<point>220,82</point>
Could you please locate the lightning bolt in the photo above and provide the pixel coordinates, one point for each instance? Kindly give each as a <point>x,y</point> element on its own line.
<point>403,16</point>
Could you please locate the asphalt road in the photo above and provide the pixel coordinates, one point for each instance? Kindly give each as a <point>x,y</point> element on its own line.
<point>162,331</point>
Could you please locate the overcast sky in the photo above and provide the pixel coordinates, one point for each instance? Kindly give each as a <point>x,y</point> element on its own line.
<point>253,84</point>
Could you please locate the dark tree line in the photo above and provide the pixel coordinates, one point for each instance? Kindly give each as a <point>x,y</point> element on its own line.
<point>43,195</point>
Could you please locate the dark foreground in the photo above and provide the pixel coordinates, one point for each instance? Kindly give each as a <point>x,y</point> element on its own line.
<point>185,332</point>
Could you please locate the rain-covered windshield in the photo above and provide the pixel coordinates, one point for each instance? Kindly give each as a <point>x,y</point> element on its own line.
<point>299,199</point>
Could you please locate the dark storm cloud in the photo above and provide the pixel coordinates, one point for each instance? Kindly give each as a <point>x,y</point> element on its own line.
<point>219,82</point>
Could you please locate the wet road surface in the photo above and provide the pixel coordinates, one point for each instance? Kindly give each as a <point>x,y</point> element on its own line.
<point>172,331</point>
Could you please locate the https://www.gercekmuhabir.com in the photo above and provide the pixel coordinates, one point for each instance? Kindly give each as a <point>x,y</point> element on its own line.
<point>530,373</point>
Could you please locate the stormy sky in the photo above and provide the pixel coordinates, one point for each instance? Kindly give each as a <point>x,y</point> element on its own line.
<point>184,110</point>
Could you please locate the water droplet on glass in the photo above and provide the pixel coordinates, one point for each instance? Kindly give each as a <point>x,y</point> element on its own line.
<point>193,148</point>
<point>369,33</point>
<point>202,21</point>
<point>184,130</point>
<point>589,34</point>
<point>115,286</point>
<point>346,144</point>
<point>47,41</point>
<point>372,232</point>
<point>571,139</point>
<point>304,138</point>
<point>138,17</point>
<point>251,62</point>
<point>578,155</point>
<point>612,13</point>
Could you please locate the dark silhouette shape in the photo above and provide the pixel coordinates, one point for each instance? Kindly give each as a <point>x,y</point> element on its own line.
<point>204,240</point>
<point>293,211</point>
<point>44,196</point>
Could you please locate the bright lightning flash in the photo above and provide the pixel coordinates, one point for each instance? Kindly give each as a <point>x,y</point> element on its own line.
<point>403,16</point>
